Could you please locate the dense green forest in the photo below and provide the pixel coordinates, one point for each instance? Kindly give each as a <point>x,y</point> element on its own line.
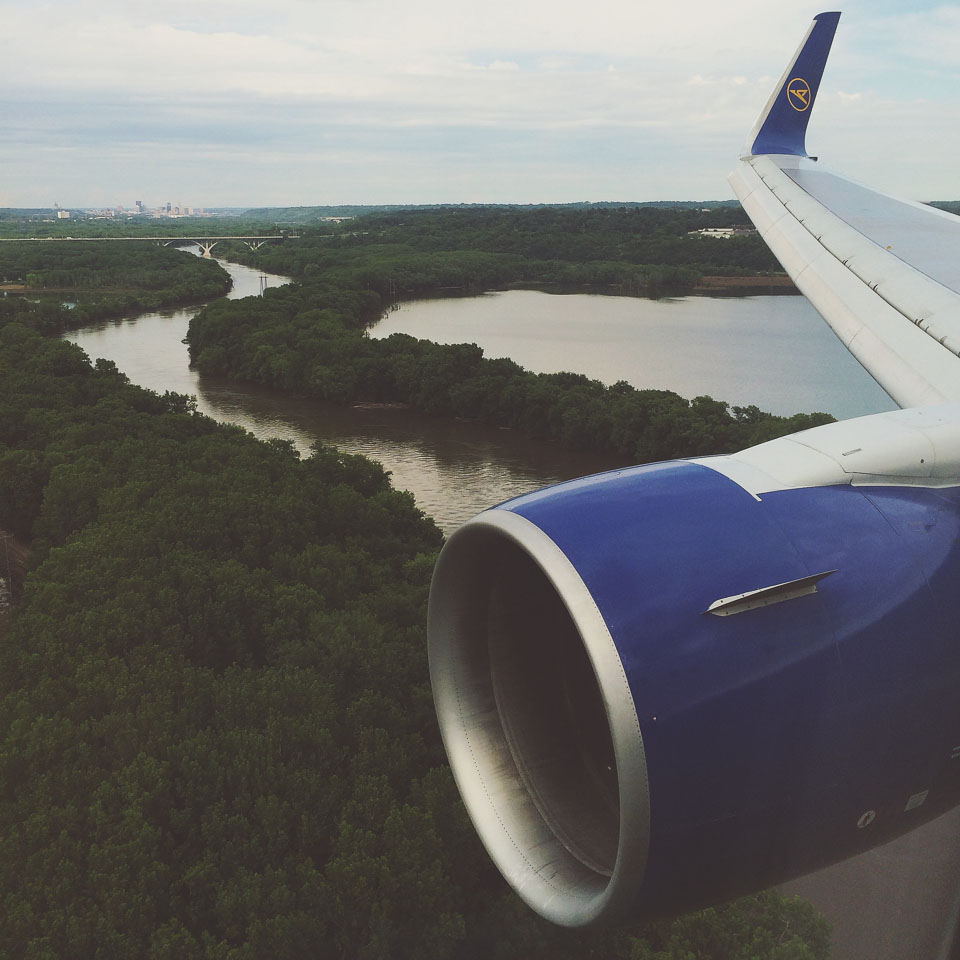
<point>620,249</point>
<point>216,732</point>
<point>68,285</point>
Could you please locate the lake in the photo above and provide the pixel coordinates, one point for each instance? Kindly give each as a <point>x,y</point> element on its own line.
<point>775,352</point>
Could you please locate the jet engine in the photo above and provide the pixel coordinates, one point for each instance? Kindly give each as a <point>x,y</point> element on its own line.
<point>667,685</point>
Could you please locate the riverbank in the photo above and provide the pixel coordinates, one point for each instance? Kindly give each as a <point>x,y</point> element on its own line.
<point>706,286</point>
<point>745,287</point>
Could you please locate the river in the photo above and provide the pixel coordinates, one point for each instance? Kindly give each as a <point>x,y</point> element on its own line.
<point>892,902</point>
<point>455,469</point>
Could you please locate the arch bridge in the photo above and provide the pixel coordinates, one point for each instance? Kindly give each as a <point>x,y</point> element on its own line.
<point>205,242</point>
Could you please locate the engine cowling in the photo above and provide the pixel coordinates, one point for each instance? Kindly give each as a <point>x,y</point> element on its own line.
<point>664,686</point>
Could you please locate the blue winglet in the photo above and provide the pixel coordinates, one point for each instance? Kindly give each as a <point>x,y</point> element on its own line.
<point>782,126</point>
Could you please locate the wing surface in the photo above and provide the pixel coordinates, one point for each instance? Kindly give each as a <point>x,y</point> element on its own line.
<point>884,273</point>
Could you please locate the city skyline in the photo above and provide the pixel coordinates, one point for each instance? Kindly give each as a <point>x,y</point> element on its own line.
<point>361,102</point>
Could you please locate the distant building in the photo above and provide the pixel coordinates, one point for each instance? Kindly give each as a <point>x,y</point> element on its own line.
<point>63,214</point>
<point>722,232</point>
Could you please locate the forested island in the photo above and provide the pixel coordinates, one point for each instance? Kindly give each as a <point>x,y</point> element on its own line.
<point>217,738</point>
<point>310,338</point>
<point>64,286</point>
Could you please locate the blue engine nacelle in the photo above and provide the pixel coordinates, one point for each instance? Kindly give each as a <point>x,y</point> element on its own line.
<point>667,685</point>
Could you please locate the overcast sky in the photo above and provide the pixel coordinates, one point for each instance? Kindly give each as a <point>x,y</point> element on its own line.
<point>287,102</point>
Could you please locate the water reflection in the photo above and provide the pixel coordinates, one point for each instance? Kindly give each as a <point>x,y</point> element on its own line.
<point>775,352</point>
<point>453,468</point>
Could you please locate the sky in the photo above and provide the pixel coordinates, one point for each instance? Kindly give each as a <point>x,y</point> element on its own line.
<point>301,102</point>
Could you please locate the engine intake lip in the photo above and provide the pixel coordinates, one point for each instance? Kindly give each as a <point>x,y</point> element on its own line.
<point>521,816</point>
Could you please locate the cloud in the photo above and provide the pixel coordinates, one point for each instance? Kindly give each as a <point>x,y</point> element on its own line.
<point>350,82</point>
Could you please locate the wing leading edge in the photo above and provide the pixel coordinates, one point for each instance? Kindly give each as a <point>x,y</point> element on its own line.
<point>884,273</point>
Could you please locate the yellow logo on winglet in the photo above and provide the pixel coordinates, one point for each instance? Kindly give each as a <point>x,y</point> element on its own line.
<point>798,94</point>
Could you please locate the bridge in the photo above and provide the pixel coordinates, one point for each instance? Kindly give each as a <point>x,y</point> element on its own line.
<point>205,242</point>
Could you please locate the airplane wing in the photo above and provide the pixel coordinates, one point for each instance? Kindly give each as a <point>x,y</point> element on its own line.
<point>884,273</point>
<point>663,686</point>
